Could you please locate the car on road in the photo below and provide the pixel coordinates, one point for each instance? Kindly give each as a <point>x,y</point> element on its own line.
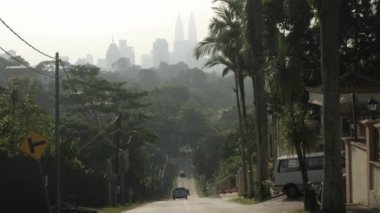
<point>182,174</point>
<point>179,192</point>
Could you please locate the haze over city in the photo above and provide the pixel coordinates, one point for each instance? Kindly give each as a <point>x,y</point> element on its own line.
<point>77,28</point>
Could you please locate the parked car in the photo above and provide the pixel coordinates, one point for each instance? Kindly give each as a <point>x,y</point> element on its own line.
<point>179,192</point>
<point>287,175</point>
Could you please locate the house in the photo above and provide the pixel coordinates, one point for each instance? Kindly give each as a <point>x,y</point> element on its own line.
<point>355,91</point>
<point>363,167</point>
<point>361,141</point>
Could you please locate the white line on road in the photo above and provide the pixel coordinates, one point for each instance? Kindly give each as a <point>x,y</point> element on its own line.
<point>187,207</point>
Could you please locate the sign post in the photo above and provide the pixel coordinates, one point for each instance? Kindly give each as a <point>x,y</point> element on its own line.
<point>34,146</point>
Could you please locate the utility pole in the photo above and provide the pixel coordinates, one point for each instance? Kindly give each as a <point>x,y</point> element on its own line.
<point>57,134</point>
<point>354,114</point>
<point>117,157</point>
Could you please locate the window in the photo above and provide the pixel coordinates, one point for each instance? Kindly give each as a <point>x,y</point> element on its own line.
<point>290,165</point>
<point>314,163</point>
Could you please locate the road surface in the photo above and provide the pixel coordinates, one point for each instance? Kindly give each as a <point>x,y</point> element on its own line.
<point>224,204</point>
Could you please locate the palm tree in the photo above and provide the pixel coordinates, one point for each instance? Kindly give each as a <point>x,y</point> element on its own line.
<point>285,84</point>
<point>254,35</point>
<point>333,196</point>
<point>224,46</point>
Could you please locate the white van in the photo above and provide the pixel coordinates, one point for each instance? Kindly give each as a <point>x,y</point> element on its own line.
<point>287,175</point>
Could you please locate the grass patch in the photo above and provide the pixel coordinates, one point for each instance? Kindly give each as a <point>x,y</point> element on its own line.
<point>296,211</point>
<point>245,201</point>
<point>120,209</point>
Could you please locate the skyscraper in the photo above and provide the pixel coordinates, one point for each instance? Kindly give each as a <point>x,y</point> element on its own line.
<point>192,33</point>
<point>160,52</point>
<point>126,51</point>
<point>180,48</point>
<point>184,47</point>
<point>179,33</point>
<point>90,59</point>
<point>191,43</point>
<point>112,55</point>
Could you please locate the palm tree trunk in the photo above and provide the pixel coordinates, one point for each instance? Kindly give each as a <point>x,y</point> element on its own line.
<point>254,29</point>
<point>333,197</point>
<point>242,141</point>
<point>245,129</point>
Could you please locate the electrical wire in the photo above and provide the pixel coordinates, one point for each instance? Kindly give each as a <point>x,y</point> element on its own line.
<point>27,43</point>
<point>24,64</point>
<point>75,91</point>
<point>99,134</point>
<point>188,134</point>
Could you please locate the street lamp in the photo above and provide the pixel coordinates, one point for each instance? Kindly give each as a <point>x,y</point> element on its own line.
<point>372,105</point>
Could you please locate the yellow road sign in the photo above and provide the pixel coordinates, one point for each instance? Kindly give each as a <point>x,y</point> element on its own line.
<point>34,145</point>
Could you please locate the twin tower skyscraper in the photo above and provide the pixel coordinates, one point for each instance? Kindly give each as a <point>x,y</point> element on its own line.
<point>183,47</point>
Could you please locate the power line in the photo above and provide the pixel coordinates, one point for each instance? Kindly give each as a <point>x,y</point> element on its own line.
<point>73,88</point>
<point>188,134</point>
<point>27,43</point>
<point>100,133</point>
<point>24,64</point>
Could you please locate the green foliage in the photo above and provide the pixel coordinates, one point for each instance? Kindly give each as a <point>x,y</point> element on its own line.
<point>296,128</point>
<point>20,113</point>
<point>92,104</point>
<point>149,79</point>
<point>284,75</point>
<point>228,168</point>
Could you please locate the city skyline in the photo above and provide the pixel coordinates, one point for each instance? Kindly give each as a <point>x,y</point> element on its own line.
<point>76,37</point>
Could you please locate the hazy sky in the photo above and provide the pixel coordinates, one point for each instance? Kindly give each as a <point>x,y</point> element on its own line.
<point>77,27</point>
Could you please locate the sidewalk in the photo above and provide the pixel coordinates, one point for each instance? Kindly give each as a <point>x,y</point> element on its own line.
<point>360,209</point>
<point>350,208</point>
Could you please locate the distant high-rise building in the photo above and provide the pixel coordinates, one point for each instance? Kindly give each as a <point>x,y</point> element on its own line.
<point>146,61</point>
<point>184,48</point>
<point>192,33</point>
<point>127,51</point>
<point>160,52</point>
<point>192,42</point>
<point>112,55</point>
<point>102,63</point>
<point>90,59</point>
<point>180,48</point>
<point>81,61</point>
<point>179,33</point>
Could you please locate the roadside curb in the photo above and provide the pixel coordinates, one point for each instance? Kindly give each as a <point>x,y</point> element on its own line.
<point>360,209</point>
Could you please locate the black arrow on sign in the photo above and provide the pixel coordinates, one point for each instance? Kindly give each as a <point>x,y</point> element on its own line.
<point>34,144</point>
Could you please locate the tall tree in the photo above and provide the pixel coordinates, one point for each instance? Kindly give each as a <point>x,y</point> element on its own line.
<point>254,33</point>
<point>333,193</point>
<point>225,46</point>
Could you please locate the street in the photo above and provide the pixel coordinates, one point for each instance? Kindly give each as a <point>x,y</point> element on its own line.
<point>217,204</point>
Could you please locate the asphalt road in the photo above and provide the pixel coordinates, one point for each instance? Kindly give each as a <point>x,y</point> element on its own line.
<point>222,204</point>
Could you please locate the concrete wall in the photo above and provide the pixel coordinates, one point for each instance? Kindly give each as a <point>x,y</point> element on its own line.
<point>359,175</point>
<point>375,186</point>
